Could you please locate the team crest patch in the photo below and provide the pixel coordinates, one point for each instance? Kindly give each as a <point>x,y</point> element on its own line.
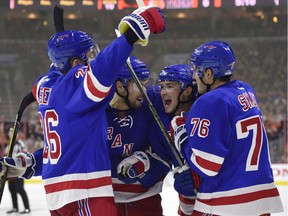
<point>62,37</point>
<point>124,120</point>
<point>210,47</point>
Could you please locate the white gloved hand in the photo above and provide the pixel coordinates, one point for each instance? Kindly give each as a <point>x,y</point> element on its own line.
<point>135,165</point>
<point>21,165</point>
<point>178,131</point>
<point>143,21</point>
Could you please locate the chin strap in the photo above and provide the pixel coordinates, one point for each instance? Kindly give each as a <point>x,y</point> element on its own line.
<point>208,86</point>
<point>176,108</point>
<point>125,97</point>
<point>181,102</point>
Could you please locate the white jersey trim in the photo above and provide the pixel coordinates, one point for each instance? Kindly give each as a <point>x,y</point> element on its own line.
<point>96,184</point>
<point>213,159</point>
<point>264,205</point>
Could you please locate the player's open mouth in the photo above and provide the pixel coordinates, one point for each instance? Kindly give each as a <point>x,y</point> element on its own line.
<point>167,102</point>
<point>140,99</point>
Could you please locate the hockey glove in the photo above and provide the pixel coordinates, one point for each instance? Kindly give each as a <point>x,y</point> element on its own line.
<point>157,171</point>
<point>134,166</point>
<point>178,131</point>
<point>143,21</point>
<point>22,165</point>
<point>186,181</point>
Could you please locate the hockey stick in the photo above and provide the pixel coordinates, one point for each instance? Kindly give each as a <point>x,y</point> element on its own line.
<point>176,154</point>
<point>58,18</point>
<point>152,109</point>
<point>25,102</point>
<point>140,3</point>
<point>28,99</point>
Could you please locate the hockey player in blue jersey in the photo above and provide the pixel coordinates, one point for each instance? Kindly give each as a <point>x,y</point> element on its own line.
<point>225,141</point>
<point>178,93</point>
<point>137,174</point>
<point>72,98</point>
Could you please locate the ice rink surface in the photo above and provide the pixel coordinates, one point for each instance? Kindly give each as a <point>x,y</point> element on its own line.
<point>37,199</point>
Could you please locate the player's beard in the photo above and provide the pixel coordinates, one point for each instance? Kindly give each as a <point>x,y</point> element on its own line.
<point>136,102</point>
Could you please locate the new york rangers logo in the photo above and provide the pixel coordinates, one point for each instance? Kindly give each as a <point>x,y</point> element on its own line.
<point>62,37</point>
<point>210,47</point>
<point>126,121</point>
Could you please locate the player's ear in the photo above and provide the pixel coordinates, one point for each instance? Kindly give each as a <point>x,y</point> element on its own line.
<point>120,89</point>
<point>188,91</point>
<point>75,62</point>
<point>209,75</point>
<point>186,94</point>
<point>119,86</point>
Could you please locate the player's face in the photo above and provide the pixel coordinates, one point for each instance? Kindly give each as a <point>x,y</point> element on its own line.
<point>92,53</point>
<point>200,86</point>
<point>170,91</point>
<point>135,96</point>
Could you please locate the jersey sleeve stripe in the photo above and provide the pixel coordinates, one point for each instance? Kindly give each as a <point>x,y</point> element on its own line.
<point>208,163</point>
<point>93,88</point>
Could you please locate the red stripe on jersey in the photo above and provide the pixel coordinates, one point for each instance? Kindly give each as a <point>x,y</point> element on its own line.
<point>94,91</point>
<point>129,188</point>
<point>243,198</point>
<point>78,184</point>
<point>186,201</point>
<point>206,164</point>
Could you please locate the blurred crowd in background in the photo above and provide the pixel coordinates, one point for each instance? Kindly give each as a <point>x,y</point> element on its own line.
<point>259,41</point>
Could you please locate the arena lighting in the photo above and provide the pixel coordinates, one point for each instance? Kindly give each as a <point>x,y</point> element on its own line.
<point>45,3</point>
<point>32,16</point>
<point>68,3</point>
<point>12,4</point>
<point>88,2</point>
<point>128,4</point>
<point>181,15</point>
<point>71,16</point>
<point>260,14</point>
<point>275,19</point>
<point>45,23</point>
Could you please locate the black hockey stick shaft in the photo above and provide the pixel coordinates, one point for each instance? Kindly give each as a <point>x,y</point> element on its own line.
<point>176,154</point>
<point>155,114</point>
<point>25,102</point>
<point>152,109</point>
<point>28,99</point>
<point>58,18</point>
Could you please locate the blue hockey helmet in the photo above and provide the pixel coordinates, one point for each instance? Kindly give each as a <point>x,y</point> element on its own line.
<point>177,72</point>
<point>67,44</point>
<point>140,69</point>
<point>216,55</point>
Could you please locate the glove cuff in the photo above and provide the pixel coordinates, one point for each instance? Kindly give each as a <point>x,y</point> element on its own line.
<point>143,157</point>
<point>30,171</point>
<point>26,159</point>
<point>138,25</point>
